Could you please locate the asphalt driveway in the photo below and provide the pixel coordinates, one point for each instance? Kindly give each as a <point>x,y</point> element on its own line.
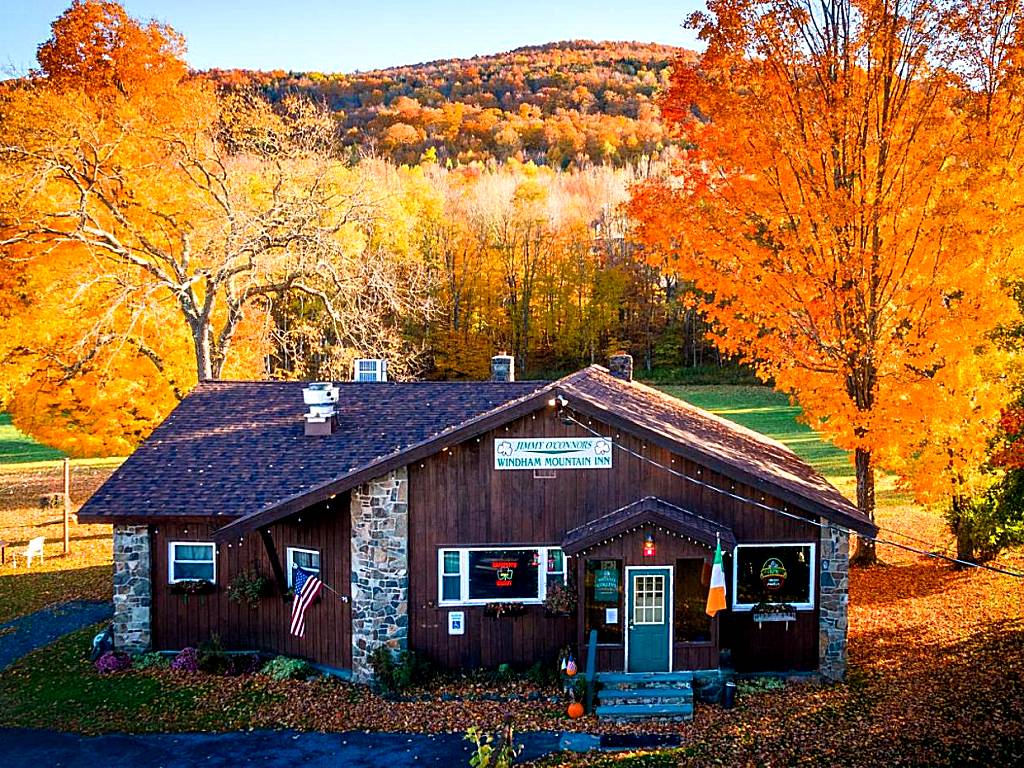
<point>23,748</point>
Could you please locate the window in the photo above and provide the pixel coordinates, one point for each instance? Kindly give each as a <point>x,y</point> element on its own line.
<point>555,567</point>
<point>191,561</point>
<point>690,620</point>
<point>366,369</point>
<point>306,559</point>
<point>602,600</point>
<point>649,599</point>
<point>773,573</point>
<point>484,575</point>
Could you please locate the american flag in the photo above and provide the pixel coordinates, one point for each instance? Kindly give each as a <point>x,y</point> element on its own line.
<point>307,587</point>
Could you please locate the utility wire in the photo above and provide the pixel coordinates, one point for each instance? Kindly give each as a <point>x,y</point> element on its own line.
<point>785,513</point>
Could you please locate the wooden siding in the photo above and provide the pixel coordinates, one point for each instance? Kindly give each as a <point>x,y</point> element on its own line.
<point>457,499</point>
<point>178,623</point>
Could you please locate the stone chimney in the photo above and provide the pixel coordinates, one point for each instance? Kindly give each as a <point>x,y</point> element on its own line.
<point>503,368</point>
<point>621,366</point>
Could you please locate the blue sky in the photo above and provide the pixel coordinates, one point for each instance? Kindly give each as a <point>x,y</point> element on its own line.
<point>344,36</point>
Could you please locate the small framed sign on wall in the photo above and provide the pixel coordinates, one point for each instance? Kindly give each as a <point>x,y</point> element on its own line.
<point>456,622</point>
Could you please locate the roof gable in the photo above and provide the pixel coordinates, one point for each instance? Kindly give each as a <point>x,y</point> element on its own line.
<point>653,511</point>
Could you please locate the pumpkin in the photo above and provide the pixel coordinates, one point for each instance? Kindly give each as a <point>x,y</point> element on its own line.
<point>575,710</point>
<point>570,668</point>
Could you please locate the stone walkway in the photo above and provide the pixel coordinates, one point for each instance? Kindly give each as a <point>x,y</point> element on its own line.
<point>24,635</point>
<point>31,748</point>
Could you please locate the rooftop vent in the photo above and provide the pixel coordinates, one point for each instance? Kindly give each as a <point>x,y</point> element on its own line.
<point>321,398</point>
<point>370,369</point>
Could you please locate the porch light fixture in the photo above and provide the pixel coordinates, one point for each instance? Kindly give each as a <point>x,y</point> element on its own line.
<point>649,549</point>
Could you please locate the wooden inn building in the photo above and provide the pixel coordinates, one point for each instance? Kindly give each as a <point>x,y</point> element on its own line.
<point>439,514</point>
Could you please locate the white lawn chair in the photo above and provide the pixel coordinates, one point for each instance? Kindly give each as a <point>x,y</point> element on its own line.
<point>33,550</point>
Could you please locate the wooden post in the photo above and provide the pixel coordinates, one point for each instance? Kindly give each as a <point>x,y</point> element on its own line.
<point>67,504</point>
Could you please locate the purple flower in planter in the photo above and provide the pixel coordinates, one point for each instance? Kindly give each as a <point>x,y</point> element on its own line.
<point>187,660</point>
<point>113,661</point>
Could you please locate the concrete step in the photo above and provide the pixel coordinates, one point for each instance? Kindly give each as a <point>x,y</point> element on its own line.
<point>635,695</point>
<point>645,679</point>
<point>645,711</point>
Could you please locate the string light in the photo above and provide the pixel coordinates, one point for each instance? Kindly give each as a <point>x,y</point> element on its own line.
<point>785,513</point>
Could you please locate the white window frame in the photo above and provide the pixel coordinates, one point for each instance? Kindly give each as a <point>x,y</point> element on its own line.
<point>171,559</point>
<point>378,371</point>
<point>290,560</point>
<point>542,573</point>
<point>812,570</point>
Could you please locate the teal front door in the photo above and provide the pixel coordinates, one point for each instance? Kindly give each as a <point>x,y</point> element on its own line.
<point>649,620</point>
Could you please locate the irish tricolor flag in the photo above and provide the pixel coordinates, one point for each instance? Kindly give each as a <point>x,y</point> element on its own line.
<point>716,594</point>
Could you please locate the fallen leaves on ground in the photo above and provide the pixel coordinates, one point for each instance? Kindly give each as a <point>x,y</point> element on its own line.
<point>84,574</point>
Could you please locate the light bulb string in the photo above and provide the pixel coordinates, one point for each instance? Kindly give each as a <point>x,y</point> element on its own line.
<point>564,413</point>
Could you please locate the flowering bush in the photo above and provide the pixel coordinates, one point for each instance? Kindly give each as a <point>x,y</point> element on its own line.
<point>113,661</point>
<point>187,660</point>
<point>561,598</point>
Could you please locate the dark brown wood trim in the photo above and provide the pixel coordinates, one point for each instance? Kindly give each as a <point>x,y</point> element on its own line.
<point>275,561</point>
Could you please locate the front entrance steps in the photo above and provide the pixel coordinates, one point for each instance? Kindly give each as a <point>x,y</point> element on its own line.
<point>638,696</point>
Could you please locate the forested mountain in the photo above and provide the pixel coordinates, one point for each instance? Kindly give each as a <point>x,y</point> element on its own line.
<point>566,104</point>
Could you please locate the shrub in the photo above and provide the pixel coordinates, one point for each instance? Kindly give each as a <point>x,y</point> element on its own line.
<point>285,668</point>
<point>151,661</point>
<point>244,664</point>
<point>543,675</point>
<point>212,657</point>
<point>394,674</point>
<point>490,752</point>
<point>187,660</point>
<point>113,661</point>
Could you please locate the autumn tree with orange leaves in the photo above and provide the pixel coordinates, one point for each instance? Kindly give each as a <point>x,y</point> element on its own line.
<point>850,206</point>
<point>147,223</point>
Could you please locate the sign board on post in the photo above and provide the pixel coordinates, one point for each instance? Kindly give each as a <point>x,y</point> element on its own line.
<point>553,453</point>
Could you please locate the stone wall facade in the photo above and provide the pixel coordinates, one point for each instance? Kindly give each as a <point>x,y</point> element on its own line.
<point>133,588</point>
<point>380,569</point>
<point>834,586</point>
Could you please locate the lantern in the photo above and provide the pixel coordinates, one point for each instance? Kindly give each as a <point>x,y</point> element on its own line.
<point>649,549</point>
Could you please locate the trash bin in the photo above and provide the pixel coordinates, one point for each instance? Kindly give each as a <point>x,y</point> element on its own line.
<point>729,695</point>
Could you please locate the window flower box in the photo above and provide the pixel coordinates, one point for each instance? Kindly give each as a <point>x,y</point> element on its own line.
<point>499,610</point>
<point>763,612</point>
<point>188,587</point>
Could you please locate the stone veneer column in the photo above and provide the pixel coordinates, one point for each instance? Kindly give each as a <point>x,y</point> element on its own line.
<point>380,569</point>
<point>133,588</point>
<point>834,587</point>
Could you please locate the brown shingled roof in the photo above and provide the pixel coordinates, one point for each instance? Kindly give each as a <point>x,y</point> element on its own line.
<point>237,449</point>
<point>717,443</point>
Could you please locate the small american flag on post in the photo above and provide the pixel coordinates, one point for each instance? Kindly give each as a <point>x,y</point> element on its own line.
<point>307,587</point>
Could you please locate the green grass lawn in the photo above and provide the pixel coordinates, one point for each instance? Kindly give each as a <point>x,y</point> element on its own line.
<point>770,413</point>
<point>18,448</point>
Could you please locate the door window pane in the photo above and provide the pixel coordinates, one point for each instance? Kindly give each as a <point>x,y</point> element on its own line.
<point>649,599</point>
